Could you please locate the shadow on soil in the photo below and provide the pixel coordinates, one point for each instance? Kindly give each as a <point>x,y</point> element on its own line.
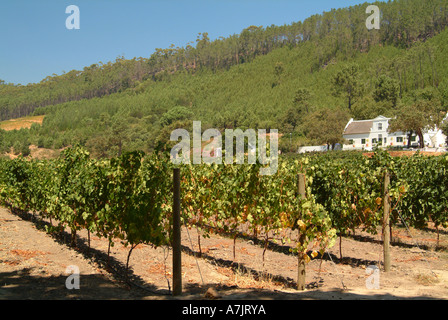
<point>115,269</point>
<point>22,286</point>
<point>126,285</point>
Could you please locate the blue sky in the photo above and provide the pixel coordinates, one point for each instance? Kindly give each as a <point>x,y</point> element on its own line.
<point>35,43</point>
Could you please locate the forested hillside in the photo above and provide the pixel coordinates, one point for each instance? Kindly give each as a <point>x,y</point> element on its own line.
<point>305,79</point>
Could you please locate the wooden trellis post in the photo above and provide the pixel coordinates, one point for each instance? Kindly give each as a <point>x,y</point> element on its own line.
<point>386,223</point>
<point>177,253</point>
<point>301,260</point>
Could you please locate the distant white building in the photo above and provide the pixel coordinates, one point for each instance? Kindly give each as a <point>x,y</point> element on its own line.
<point>365,134</point>
<point>434,140</point>
<point>306,149</point>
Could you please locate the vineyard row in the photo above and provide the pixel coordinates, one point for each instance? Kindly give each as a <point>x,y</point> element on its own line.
<point>130,197</point>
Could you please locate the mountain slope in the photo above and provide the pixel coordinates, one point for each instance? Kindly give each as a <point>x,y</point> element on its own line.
<point>342,31</point>
<point>262,91</point>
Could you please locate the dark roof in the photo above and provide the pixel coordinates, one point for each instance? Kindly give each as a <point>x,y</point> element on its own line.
<point>359,127</point>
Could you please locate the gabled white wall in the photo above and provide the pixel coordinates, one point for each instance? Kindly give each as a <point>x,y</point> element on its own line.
<point>375,132</point>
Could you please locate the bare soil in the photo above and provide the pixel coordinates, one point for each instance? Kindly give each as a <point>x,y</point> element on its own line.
<point>37,153</point>
<point>33,265</point>
<point>408,153</point>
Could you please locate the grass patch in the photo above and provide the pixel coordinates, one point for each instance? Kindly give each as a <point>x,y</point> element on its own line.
<point>20,123</point>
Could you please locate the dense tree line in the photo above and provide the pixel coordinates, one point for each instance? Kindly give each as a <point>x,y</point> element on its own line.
<point>340,32</point>
<point>94,81</point>
<point>274,91</point>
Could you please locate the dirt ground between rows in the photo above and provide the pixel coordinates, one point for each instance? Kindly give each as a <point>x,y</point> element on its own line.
<point>33,265</point>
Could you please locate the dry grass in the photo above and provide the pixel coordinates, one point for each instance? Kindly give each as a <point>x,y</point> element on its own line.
<point>20,123</point>
<point>247,280</point>
<point>427,279</point>
<point>27,254</point>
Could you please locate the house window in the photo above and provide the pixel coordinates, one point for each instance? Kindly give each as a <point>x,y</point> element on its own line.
<point>413,138</point>
<point>374,140</point>
<point>380,126</point>
<point>399,139</point>
<point>351,141</point>
<point>363,141</point>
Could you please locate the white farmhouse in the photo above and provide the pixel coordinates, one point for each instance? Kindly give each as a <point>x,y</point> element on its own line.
<point>365,134</point>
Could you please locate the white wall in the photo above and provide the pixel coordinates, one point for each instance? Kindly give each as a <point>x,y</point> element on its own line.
<point>375,132</point>
<point>312,149</point>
